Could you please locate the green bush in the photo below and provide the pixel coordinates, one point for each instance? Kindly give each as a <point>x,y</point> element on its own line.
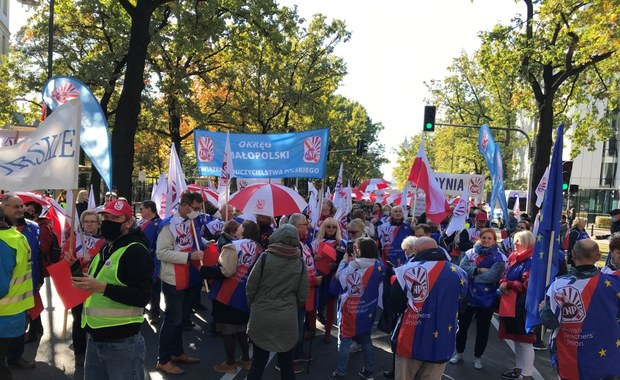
<point>602,221</point>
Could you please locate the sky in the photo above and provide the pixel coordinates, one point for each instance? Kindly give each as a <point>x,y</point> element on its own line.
<point>396,46</point>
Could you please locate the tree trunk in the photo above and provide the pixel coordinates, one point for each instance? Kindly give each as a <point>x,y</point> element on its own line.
<point>128,109</point>
<point>174,125</point>
<point>542,149</point>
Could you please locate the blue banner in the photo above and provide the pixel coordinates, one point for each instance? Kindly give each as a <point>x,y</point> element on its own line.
<point>94,138</point>
<point>493,157</point>
<point>281,155</point>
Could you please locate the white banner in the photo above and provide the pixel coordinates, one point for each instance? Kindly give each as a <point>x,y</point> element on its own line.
<point>48,157</point>
<point>455,185</point>
<point>9,137</point>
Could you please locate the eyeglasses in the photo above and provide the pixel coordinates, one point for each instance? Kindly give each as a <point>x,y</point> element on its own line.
<point>331,226</point>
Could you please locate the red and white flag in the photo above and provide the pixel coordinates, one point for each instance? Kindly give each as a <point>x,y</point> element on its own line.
<point>176,181</point>
<point>437,207</point>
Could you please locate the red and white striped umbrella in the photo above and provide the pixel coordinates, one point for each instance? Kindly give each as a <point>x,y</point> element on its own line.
<point>206,192</point>
<point>456,200</point>
<point>268,199</point>
<point>374,184</point>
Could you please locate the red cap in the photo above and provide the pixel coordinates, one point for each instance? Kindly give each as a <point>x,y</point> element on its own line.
<point>118,207</point>
<point>482,215</point>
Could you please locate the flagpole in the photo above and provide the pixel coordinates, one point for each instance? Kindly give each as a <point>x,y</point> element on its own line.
<point>71,248</point>
<point>227,198</point>
<point>198,247</point>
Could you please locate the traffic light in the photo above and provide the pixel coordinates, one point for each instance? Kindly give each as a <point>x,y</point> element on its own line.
<point>567,168</point>
<point>362,147</point>
<point>429,118</point>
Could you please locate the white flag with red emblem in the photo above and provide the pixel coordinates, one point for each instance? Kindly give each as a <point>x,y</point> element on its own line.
<point>459,214</point>
<point>541,188</point>
<point>228,170</point>
<point>176,181</point>
<point>437,207</point>
<point>339,195</point>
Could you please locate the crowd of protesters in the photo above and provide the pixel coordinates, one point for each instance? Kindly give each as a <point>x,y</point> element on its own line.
<point>270,281</point>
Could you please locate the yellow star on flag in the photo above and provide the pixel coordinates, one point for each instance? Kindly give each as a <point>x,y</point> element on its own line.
<point>618,343</point>
<point>370,315</point>
<point>463,283</point>
<point>559,239</point>
<point>450,327</point>
<point>486,289</point>
<point>607,283</point>
<point>602,352</point>
<point>453,268</point>
<point>618,294</point>
<point>541,254</point>
<point>539,237</point>
<point>475,290</point>
<point>436,334</point>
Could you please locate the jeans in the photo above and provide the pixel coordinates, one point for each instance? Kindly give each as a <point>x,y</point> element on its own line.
<point>344,344</point>
<point>259,361</point>
<point>122,359</point>
<point>178,305</point>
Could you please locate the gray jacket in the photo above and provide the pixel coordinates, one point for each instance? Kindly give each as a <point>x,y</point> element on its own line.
<point>275,293</point>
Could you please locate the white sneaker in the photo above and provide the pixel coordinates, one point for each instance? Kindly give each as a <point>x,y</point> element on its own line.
<point>456,358</point>
<point>478,364</point>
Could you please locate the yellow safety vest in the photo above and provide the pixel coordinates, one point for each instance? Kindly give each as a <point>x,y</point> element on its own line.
<point>99,310</point>
<point>20,296</point>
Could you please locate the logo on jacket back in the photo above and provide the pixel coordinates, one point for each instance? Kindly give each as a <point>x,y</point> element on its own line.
<point>572,304</point>
<point>354,282</point>
<point>248,251</point>
<point>416,279</point>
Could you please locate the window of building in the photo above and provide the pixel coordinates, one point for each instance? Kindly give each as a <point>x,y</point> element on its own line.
<point>608,174</point>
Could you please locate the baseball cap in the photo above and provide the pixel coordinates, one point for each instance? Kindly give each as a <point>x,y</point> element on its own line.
<point>481,215</point>
<point>118,207</point>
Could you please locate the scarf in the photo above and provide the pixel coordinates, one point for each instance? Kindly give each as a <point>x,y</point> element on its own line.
<point>518,257</point>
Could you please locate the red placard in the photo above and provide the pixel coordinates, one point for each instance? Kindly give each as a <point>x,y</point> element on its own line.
<point>326,255</point>
<point>211,255</point>
<point>61,276</point>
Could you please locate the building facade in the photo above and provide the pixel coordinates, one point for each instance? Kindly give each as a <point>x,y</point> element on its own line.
<point>5,35</point>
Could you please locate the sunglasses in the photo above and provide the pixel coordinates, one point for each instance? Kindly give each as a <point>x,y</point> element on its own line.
<point>331,226</point>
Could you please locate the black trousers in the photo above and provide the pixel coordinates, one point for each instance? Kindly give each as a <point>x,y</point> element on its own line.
<point>5,372</point>
<point>78,334</point>
<point>259,361</point>
<point>483,323</point>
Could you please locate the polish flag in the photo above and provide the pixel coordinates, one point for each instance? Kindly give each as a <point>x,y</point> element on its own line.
<point>437,207</point>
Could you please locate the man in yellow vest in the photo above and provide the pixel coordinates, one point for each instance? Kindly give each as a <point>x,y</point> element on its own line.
<point>120,279</point>
<point>15,289</point>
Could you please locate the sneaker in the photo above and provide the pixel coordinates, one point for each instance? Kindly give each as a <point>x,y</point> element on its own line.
<point>456,358</point>
<point>366,374</point>
<point>335,376</point>
<point>296,369</point>
<point>478,363</point>
<point>355,347</point>
<point>513,374</point>
<point>540,346</point>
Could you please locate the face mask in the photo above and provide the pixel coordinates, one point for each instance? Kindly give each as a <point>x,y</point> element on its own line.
<point>110,230</point>
<point>193,214</point>
<point>29,216</point>
<point>386,213</point>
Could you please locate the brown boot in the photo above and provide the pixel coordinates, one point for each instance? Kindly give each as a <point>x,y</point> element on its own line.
<point>184,358</point>
<point>224,367</point>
